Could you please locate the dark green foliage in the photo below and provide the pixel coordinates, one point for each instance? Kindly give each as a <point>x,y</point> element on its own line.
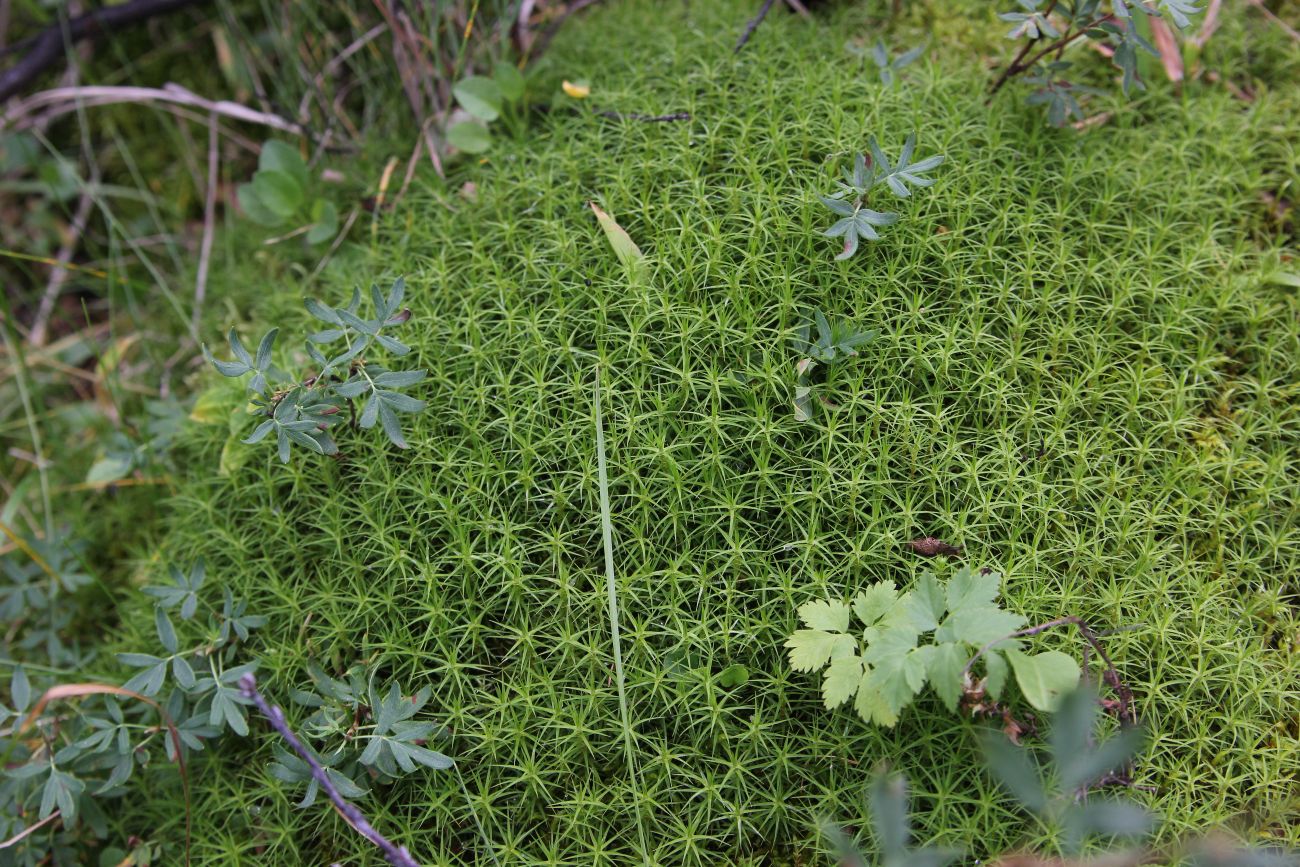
<point>857,221</point>
<point>833,344</point>
<point>280,195</point>
<point>302,412</point>
<point>69,756</point>
<point>367,734</point>
<point>1049,30</point>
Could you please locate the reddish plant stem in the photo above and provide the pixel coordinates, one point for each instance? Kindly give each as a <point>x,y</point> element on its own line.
<point>1110,675</point>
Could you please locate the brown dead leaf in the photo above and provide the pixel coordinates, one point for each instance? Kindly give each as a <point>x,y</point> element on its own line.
<point>929,546</point>
<point>1171,54</point>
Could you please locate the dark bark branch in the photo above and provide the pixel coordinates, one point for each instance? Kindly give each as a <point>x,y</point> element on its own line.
<point>753,25</point>
<point>47,47</point>
<point>647,118</point>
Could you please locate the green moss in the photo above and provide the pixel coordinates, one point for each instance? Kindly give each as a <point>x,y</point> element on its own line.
<point>1082,377</point>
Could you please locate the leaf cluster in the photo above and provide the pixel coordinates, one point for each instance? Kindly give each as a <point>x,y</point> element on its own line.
<point>72,758</point>
<point>882,664</point>
<point>279,195</point>
<point>849,202</point>
<point>368,733</point>
<point>303,411</point>
<point>831,344</point>
<point>484,100</point>
<point>1048,30</point>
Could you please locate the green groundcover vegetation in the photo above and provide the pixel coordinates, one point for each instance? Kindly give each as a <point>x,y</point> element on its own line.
<point>1085,376</point>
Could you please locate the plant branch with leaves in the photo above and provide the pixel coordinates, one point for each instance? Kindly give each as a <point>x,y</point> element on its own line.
<point>303,411</point>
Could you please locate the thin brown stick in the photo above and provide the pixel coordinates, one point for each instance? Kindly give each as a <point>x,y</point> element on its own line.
<point>59,276</point>
<point>646,118</point>
<point>338,242</point>
<point>1286,28</point>
<point>31,829</point>
<point>333,66</point>
<point>1110,673</point>
<point>753,25</point>
<point>797,6</point>
<point>64,100</point>
<point>45,48</point>
<point>209,220</point>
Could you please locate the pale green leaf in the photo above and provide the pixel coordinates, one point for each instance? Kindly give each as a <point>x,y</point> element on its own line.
<point>1044,677</point>
<point>810,649</point>
<point>830,615</point>
<point>980,625</point>
<point>842,679</point>
<point>469,136</point>
<point>946,665</point>
<point>972,588</point>
<point>624,248</point>
<point>479,96</point>
<point>874,602</point>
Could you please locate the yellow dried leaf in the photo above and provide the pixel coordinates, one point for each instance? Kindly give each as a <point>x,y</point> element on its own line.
<point>580,90</point>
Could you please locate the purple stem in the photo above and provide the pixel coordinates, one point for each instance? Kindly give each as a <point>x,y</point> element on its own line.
<point>396,855</point>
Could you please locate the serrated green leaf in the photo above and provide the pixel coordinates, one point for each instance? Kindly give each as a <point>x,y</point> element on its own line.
<point>1044,677</point>
<point>810,649</point>
<point>843,676</point>
<point>875,602</point>
<point>946,665</point>
<point>828,615</point>
<point>971,588</point>
<point>980,625</point>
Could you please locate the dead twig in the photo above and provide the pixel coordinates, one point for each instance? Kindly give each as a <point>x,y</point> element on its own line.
<point>59,276</point>
<point>753,25</point>
<point>1110,674</point>
<point>59,101</point>
<point>399,856</point>
<point>1286,28</point>
<point>209,219</point>
<point>646,118</point>
<point>45,48</point>
<point>338,242</point>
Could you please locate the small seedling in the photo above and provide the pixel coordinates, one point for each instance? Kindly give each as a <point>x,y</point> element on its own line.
<point>834,344</point>
<point>849,202</point>
<point>883,666</point>
<point>888,67</point>
<point>484,100</point>
<point>302,412</point>
<point>278,195</point>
